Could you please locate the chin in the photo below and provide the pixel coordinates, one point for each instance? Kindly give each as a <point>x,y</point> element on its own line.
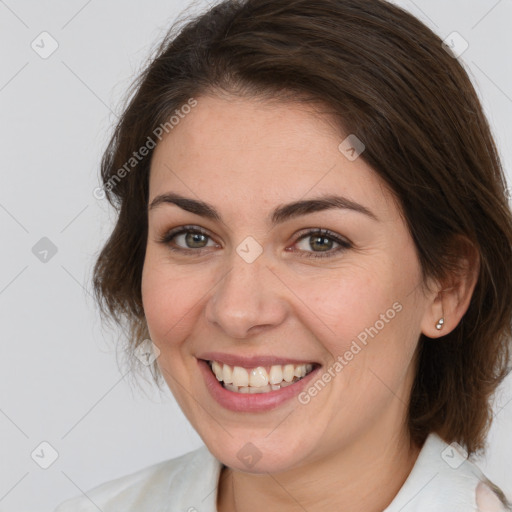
<point>258,455</point>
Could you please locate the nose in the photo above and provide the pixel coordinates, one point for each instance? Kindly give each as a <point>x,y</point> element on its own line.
<point>248,299</point>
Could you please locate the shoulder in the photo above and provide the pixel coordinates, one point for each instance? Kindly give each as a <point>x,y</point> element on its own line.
<point>490,498</point>
<point>443,478</point>
<point>184,481</point>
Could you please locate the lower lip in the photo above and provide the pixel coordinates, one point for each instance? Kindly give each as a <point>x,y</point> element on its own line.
<point>251,402</point>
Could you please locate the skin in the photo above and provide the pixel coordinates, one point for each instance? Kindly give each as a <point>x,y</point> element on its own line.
<point>348,448</point>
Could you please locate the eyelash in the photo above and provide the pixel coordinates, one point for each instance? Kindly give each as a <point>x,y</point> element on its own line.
<point>344,244</point>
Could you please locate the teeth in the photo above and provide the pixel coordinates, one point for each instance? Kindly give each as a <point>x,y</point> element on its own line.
<point>240,376</point>
<point>258,377</point>
<point>258,380</point>
<point>276,374</point>
<point>288,372</point>
<point>217,369</point>
<point>300,371</point>
<point>227,374</point>
<point>262,389</point>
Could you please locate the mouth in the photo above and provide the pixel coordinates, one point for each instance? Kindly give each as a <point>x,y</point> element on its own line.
<point>261,379</point>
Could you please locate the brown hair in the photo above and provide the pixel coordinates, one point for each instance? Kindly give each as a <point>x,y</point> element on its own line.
<point>387,79</point>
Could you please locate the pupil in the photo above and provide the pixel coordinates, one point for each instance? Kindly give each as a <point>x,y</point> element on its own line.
<point>192,238</point>
<point>322,241</point>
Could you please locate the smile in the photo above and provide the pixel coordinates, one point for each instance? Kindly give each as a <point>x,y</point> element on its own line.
<point>260,379</point>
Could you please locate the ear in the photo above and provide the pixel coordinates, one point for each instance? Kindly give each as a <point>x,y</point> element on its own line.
<point>450,298</point>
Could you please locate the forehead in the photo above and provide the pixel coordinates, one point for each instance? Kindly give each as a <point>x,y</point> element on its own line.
<point>238,149</point>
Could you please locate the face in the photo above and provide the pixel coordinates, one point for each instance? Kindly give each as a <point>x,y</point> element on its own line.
<point>253,281</point>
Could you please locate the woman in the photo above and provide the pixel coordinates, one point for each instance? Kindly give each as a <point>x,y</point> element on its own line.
<point>311,211</point>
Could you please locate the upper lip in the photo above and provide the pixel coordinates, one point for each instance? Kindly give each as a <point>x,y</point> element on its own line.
<point>251,361</point>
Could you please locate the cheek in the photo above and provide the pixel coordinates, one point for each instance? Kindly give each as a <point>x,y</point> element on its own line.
<point>368,316</point>
<point>347,301</point>
<point>169,299</point>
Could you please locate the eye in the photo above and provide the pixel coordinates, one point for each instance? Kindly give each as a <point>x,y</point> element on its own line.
<point>193,239</point>
<point>322,242</point>
<point>187,238</point>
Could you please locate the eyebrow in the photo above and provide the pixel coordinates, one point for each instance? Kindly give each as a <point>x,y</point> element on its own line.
<point>280,214</point>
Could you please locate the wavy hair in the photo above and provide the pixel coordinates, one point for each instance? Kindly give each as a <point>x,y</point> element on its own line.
<point>387,78</point>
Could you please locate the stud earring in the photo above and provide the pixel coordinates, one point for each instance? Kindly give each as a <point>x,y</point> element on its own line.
<point>439,324</point>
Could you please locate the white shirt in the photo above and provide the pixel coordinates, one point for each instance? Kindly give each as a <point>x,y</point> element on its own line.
<point>441,480</point>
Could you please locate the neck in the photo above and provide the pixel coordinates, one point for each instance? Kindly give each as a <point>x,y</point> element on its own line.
<point>364,476</point>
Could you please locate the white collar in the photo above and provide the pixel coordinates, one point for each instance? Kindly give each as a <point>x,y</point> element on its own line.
<point>441,479</point>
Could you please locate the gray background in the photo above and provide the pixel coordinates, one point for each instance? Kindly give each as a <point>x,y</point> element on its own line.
<point>59,380</point>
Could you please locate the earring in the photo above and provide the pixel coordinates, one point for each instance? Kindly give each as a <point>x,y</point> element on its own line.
<point>439,324</point>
